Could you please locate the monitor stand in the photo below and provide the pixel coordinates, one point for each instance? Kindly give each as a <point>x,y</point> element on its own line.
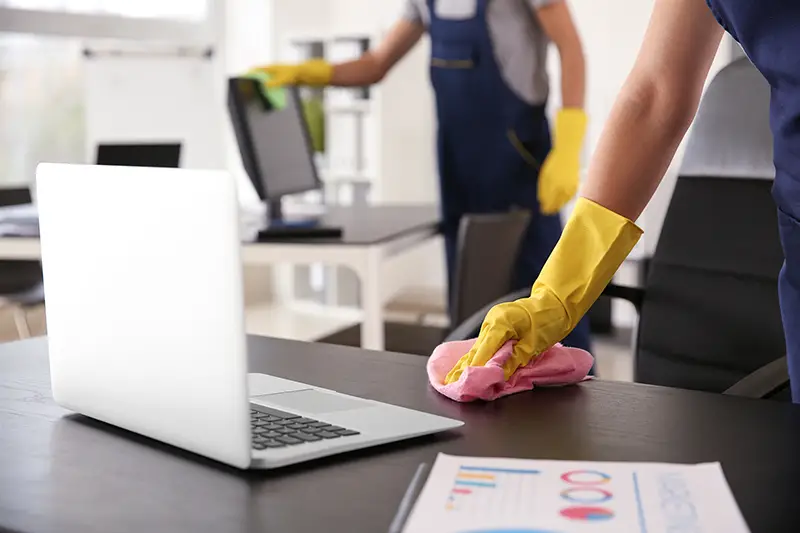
<point>280,227</point>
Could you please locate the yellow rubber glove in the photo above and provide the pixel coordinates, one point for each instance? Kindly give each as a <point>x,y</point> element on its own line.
<point>314,72</point>
<point>594,244</point>
<point>560,174</point>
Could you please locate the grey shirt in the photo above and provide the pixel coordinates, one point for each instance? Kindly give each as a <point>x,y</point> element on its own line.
<point>520,43</point>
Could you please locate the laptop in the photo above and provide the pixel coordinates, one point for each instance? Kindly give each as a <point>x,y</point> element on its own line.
<point>139,154</point>
<point>146,323</point>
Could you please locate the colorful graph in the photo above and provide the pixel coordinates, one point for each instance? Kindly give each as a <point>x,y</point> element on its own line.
<point>585,490</point>
<point>490,471</point>
<point>585,477</point>
<point>586,495</point>
<point>587,514</point>
<point>482,489</point>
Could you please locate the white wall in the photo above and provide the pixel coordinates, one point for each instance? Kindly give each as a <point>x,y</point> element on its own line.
<point>138,27</point>
<point>299,18</point>
<point>154,97</point>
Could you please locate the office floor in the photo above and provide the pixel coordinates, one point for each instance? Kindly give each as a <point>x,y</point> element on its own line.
<point>614,355</point>
<point>613,352</point>
<point>8,331</point>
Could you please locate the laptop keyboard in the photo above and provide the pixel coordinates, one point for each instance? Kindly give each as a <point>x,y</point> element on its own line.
<point>272,428</point>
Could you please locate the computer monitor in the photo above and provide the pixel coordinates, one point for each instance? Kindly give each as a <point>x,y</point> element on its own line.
<point>163,155</point>
<point>275,144</point>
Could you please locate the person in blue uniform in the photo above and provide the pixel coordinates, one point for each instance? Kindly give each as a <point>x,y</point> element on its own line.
<point>652,114</point>
<point>495,153</point>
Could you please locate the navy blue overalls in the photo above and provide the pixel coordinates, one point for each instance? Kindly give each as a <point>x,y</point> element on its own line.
<point>769,32</point>
<point>490,144</point>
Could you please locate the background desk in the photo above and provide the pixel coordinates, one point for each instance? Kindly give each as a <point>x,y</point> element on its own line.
<point>77,476</point>
<point>371,235</point>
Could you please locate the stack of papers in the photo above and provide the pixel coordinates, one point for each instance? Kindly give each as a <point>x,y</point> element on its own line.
<point>23,221</point>
<point>482,495</point>
<point>19,221</point>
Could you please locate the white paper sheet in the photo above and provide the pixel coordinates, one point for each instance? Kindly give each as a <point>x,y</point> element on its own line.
<point>483,495</point>
<point>19,221</point>
<point>19,213</point>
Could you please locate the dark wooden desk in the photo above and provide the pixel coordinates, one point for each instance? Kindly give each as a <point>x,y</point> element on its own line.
<point>361,226</point>
<point>375,224</point>
<point>70,474</point>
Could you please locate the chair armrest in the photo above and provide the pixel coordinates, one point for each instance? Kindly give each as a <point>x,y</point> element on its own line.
<point>469,328</point>
<point>30,297</point>
<point>764,382</point>
<point>634,295</point>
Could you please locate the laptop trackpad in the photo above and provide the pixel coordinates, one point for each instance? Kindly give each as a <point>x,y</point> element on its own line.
<point>313,401</point>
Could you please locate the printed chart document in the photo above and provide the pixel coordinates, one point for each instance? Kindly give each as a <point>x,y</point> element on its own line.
<point>483,495</point>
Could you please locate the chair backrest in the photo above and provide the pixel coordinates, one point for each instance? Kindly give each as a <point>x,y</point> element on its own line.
<point>710,315</point>
<point>488,245</point>
<point>17,276</point>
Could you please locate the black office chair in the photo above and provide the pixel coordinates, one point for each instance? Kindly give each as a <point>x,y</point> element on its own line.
<point>488,245</point>
<point>486,255</point>
<point>709,313</point>
<point>20,281</point>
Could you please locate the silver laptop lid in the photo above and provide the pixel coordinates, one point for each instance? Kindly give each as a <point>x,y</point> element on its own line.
<point>142,277</point>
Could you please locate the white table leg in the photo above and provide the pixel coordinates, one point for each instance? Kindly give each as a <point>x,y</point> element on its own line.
<point>372,301</point>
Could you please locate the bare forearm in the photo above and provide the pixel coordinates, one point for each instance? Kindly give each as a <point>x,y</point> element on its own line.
<point>655,107</point>
<point>557,23</point>
<point>637,145</point>
<point>365,70</point>
<point>573,78</point>
<point>371,67</point>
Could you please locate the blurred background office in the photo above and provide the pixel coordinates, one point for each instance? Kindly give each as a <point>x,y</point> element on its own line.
<point>78,77</point>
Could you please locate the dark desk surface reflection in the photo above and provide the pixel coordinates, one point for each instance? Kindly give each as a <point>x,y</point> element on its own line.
<point>68,474</point>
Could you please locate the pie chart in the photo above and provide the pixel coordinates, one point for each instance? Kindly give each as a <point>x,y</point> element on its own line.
<point>587,514</point>
<point>586,496</point>
<point>585,477</point>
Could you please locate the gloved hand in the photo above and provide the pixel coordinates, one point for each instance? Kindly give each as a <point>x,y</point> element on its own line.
<point>593,245</point>
<point>560,173</point>
<point>314,72</point>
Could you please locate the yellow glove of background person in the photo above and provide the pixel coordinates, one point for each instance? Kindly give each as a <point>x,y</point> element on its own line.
<point>591,249</point>
<point>314,72</point>
<point>560,174</point>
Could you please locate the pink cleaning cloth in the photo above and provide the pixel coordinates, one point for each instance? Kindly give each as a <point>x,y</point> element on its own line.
<point>556,367</point>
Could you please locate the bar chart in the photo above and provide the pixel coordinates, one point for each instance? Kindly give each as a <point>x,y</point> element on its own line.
<point>481,490</point>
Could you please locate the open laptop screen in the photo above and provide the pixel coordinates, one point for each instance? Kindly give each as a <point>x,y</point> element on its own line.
<point>162,155</point>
